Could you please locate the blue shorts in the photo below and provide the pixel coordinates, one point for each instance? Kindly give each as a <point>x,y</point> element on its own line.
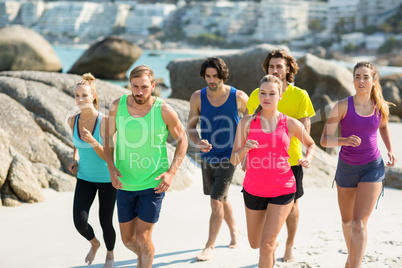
<point>348,176</point>
<point>145,204</point>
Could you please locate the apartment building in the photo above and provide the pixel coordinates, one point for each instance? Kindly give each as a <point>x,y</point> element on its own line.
<point>282,20</point>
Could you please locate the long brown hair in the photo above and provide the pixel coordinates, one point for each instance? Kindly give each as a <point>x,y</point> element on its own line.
<point>265,79</point>
<point>280,53</point>
<point>88,80</point>
<point>380,104</point>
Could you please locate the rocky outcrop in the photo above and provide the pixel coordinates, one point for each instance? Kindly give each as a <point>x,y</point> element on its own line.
<point>24,49</point>
<point>326,83</point>
<point>108,59</point>
<point>393,177</point>
<point>244,69</point>
<point>35,139</point>
<point>392,91</point>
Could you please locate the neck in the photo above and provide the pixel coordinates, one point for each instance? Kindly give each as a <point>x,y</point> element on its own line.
<point>88,113</point>
<point>362,99</point>
<point>219,91</point>
<point>284,85</point>
<point>270,115</point>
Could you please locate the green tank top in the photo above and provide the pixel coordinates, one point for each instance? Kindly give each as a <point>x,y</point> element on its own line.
<point>140,147</point>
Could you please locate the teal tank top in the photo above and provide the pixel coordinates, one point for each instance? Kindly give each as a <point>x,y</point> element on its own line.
<point>91,167</point>
<point>140,147</point>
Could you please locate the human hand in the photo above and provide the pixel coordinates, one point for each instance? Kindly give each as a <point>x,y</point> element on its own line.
<point>114,178</point>
<point>73,167</point>
<point>352,140</point>
<point>304,163</point>
<point>392,159</point>
<point>204,146</point>
<point>166,178</point>
<point>250,144</point>
<point>87,136</point>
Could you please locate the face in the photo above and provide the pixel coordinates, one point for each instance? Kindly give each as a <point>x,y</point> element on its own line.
<point>278,67</point>
<point>363,80</point>
<point>141,89</point>
<point>84,97</point>
<point>269,95</point>
<point>211,76</point>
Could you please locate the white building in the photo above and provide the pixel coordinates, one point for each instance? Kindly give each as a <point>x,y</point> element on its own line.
<point>8,12</point>
<point>342,13</point>
<point>282,20</point>
<point>144,16</point>
<point>31,12</point>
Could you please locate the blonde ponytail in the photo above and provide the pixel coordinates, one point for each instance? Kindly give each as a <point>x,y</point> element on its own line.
<point>89,80</point>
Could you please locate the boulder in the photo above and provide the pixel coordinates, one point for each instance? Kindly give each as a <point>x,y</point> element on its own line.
<point>8,197</point>
<point>23,133</point>
<point>109,58</point>
<point>393,177</point>
<point>392,91</point>
<point>24,49</point>
<point>244,69</point>
<point>326,84</point>
<point>5,157</point>
<point>22,181</point>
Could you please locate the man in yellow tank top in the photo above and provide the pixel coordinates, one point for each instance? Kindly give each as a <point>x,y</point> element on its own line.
<point>295,103</point>
<point>142,173</point>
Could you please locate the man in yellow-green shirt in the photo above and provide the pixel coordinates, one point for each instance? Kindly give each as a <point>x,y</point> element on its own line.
<point>295,103</point>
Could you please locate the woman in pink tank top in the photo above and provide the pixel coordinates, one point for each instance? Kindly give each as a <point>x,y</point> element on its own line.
<point>269,184</point>
<point>360,170</point>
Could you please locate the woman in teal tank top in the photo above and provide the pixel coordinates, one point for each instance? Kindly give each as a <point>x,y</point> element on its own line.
<point>91,169</point>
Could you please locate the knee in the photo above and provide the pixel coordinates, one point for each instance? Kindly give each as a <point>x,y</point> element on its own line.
<point>358,225</point>
<point>216,205</point>
<point>254,244</point>
<point>267,247</point>
<point>80,223</point>
<point>127,240</point>
<point>346,222</point>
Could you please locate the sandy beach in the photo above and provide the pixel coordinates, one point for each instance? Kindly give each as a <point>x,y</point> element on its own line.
<point>43,235</point>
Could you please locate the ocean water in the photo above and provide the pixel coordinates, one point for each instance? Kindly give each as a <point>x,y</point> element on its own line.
<point>158,60</point>
<point>155,59</point>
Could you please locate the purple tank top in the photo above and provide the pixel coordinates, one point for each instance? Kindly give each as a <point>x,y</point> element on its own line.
<point>364,127</point>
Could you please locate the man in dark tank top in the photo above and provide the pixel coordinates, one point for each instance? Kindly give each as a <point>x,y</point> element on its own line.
<point>218,108</point>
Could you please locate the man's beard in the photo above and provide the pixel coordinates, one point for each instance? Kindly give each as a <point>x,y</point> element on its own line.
<point>140,102</point>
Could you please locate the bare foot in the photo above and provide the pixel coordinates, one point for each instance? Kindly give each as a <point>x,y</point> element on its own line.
<point>205,255</point>
<point>92,252</point>
<point>109,263</point>
<point>288,256</point>
<point>233,241</point>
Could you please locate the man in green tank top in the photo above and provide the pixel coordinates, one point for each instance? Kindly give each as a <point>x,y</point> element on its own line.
<point>139,168</point>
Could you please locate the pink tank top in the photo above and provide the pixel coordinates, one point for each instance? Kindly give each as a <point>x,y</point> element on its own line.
<point>268,170</point>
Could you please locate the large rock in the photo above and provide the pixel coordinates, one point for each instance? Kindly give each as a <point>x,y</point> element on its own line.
<point>393,177</point>
<point>22,181</point>
<point>392,91</point>
<point>326,84</point>
<point>24,49</point>
<point>34,108</point>
<point>109,58</point>
<point>244,69</point>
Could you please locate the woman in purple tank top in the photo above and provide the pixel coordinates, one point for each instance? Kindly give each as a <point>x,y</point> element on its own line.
<point>360,170</point>
<point>269,186</point>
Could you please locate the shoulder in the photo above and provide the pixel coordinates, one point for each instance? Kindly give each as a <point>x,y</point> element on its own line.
<point>195,98</point>
<point>240,94</point>
<point>246,120</point>
<point>113,107</point>
<point>71,121</point>
<point>299,91</point>
<point>168,113</point>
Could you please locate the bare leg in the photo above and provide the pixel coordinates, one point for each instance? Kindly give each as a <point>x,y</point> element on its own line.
<point>95,244</point>
<point>346,202</point>
<point>229,219</point>
<point>366,197</point>
<point>291,224</point>
<point>215,223</point>
<point>136,235</point>
<point>276,217</point>
<point>109,263</point>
